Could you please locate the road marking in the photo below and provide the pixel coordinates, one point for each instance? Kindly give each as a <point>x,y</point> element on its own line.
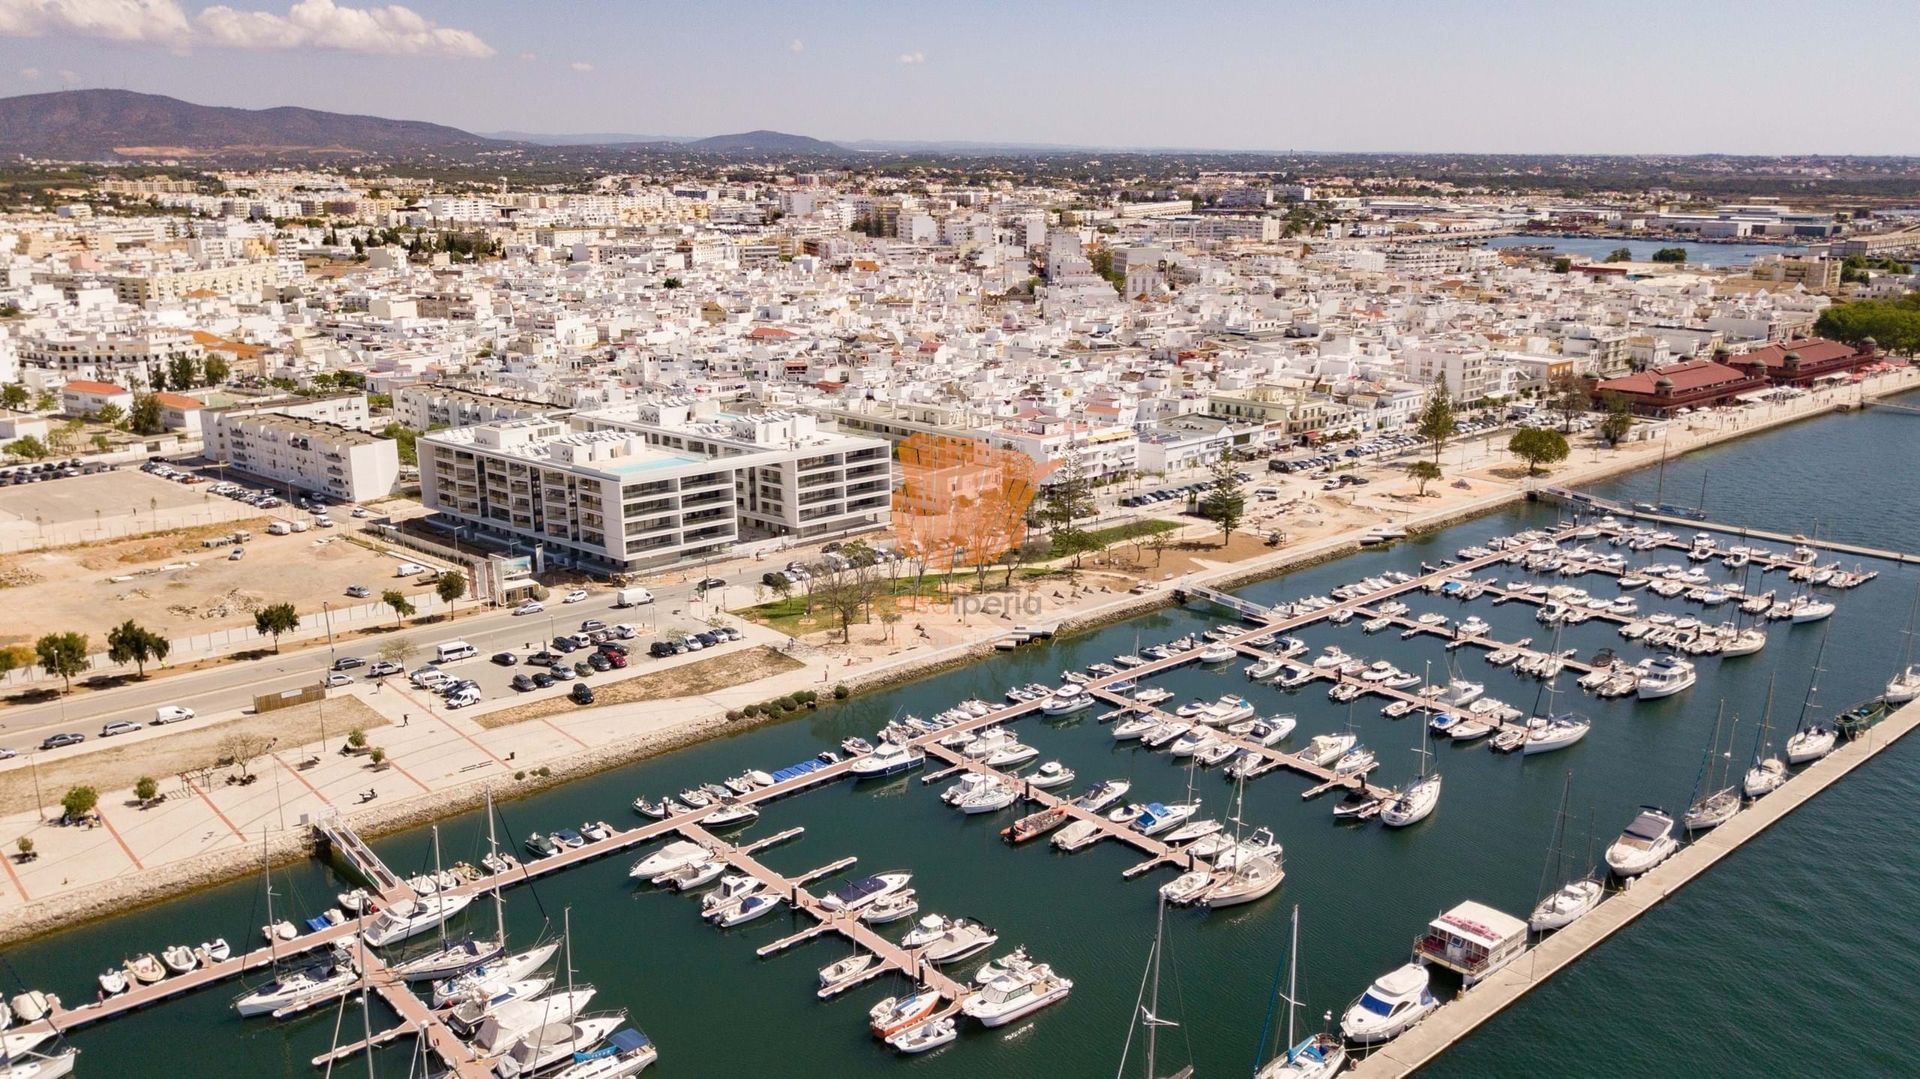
<point>118,839</point>
<point>302,779</point>
<point>561,733</point>
<point>195,788</point>
<point>409,775</point>
<point>448,720</point>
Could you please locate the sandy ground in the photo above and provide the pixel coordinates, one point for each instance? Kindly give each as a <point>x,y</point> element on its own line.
<point>167,752</point>
<point>106,505</point>
<point>691,680</point>
<point>174,585</point>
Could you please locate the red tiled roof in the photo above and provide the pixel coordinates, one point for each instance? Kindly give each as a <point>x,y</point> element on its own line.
<point>178,400</point>
<point>81,385</point>
<point>1686,377</point>
<point>764,332</point>
<point>1810,350</point>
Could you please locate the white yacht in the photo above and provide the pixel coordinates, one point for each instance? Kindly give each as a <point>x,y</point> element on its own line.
<point>1217,653</point>
<point>928,1035</point>
<point>1810,743</point>
<point>1016,994</point>
<point>1324,749</point>
<point>1663,676</point>
<point>1904,686</point>
<point>554,1043</point>
<point>1049,775</point>
<point>1068,699</point>
<point>489,978</point>
<point>1414,804</point>
<point>627,1052</point>
<point>1391,1005</point>
<point>1548,733</point>
<point>298,987</point>
<point>1647,842</point>
<point>679,853</point>
<point>988,798</point>
<point>411,917</point>
<point>891,758</point>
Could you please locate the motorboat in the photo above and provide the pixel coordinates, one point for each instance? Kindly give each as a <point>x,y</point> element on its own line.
<point>962,939</point>
<point>1548,733</point>
<point>1103,794</point>
<point>1324,749</point>
<point>692,875</point>
<point>179,958</point>
<point>1459,693</point>
<point>482,1003</point>
<point>1355,761</point>
<point>1265,731</point>
<point>833,974</point>
<point>1077,834</point>
<point>1011,754</point>
<point>1190,742</point>
<point>1390,1006</point>
<point>1067,699</point>
<point>1187,887</point>
<point>892,758</point>
<point>1903,687</point>
<point>215,950</point>
<point>1227,710</point>
<point>1049,775</point>
<point>1156,818</point>
<point>1129,730</point>
<point>898,1013</point>
<point>1663,676</point>
<point>1015,995</point>
<point>858,893</point>
<point>1414,804</point>
<point>731,816</point>
<point>1214,753</point>
<point>1265,668</point>
<point>856,747</point>
<point>504,1026</point>
<point>1193,829</point>
<point>626,1052</point>
<point>1217,653</point>
<point>754,906</point>
<point>925,1036</point>
<point>113,981</point>
<point>891,908</point>
<point>1647,842</point>
<point>670,857</point>
<point>967,785</point>
<point>541,846</point>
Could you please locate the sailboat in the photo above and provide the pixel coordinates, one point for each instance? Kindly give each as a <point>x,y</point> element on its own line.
<point>1248,871</point>
<point>1147,1007</point>
<point>412,917</point>
<point>1905,685</point>
<point>1317,1057</point>
<point>457,957</point>
<point>1422,796</point>
<point>1549,731</point>
<point>1716,799</point>
<point>1575,898</point>
<point>1812,740</point>
<point>1768,771</point>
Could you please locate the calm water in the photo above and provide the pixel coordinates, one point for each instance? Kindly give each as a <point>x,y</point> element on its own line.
<point>1790,935</point>
<point>1599,247</point>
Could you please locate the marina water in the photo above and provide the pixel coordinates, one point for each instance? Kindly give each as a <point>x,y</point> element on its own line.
<point>1797,939</point>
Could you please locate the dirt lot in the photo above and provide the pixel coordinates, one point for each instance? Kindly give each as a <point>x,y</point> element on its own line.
<point>170,583</point>
<point>165,758</point>
<point>687,680</point>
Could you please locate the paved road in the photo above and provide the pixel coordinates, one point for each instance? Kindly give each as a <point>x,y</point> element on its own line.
<point>230,686</point>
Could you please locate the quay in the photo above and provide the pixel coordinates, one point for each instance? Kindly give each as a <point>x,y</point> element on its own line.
<point>1588,503</point>
<point>1473,1007</point>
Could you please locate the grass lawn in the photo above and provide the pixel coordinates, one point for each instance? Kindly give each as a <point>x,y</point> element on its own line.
<point>786,615</point>
<point>1107,537</point>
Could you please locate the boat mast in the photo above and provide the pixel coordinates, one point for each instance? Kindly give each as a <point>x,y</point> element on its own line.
<point>499,900</point>
<point>440,901</point>
<point>1556,867</point>
<point>1293,973</point>
<point>273,934</point>
<point>1703,785</point>
<point>1813,686</point>
<point>1761,742</point>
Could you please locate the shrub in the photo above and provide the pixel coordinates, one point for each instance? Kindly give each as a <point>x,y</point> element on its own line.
<point>841,692</point>
<point>25,843</point>
<point>808,696</point>
<point>543,771</point>
<point>521,774</point>
<point>778,705</point>
<point>733,715</point>
<point>79,801</point>
<point>790,702</point>
<point>357,738</point>
<point>377,756</point>
<point>145,788</point>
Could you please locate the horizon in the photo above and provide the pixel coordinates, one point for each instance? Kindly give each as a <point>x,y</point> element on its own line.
<point>1380,77</point>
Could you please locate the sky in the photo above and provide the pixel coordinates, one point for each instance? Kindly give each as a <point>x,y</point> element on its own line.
<point>1629,76</point>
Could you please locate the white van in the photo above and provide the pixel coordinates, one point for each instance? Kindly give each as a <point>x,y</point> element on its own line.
<point>171,713</point>
<point>408,569</point>
<point>632,597</point>
<point>452,650</point>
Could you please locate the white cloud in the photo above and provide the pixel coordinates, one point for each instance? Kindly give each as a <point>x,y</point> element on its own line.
<point>914,57</point>
<point>796,46</point>
<point>581,66</point>
<point>29,73</point>
<point>392,30</point>
<point>69,77</point>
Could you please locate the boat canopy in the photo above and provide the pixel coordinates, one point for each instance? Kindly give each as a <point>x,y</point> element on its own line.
<point>1649,826</point>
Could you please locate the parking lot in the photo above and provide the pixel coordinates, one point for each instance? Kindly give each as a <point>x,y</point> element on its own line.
<point>104,505</point>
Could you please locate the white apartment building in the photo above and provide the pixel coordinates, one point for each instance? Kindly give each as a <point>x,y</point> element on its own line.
<point>338,461</point>
<point>107,354</point>
<point>423,406</point>
<point>642,486</point>
<point>1465,369</point>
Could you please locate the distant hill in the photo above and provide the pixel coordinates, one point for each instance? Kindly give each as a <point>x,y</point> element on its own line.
<point>92,125</point>
<point>595,138</point>
<point>763,142</point>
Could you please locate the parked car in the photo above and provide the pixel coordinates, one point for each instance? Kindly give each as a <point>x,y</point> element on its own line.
<point>542,658</point>
<point>7,754</point>
<point>172,713</point>
<point>583,668</point>
<point>562,673</point>
<point>121,727</point>
<point>522,682</point>
<point>382,668</point>
<point>575,596</point>
<point>599,662</point>
<point>532,606</point>
<point>55,741</point>
<point>592,624</point>
<point>505,659</point>
<point>565,643</point>
<point>542,679</point>
<point>616,660</point>
<point>581,693</point>
<point>359,591</point>
<point>663,649</point>
<point>338,679</point>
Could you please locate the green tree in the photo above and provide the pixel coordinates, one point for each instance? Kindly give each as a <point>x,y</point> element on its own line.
<point>15,657</point>
<point>1538,446</point>
<point>404,439</point>
<point>1424,471</point>
<point>1225,503</point>
<point>1619,254</point>
<point>1563,265</point>
<point>275,619</point>
<point>145,789</point>
<point>101,443</point>
<point>1618,421</point>
<point>215,370</point>
<point>181,371</point>
<point>130,642</point>
<point>450,587</point>
<point>1893,324</point>
<point>145,417</point>
<point>14,397</point>
<point>1569,395</point>
<point>1066,501</point>
<point>110,414</point>
<point>63,655</point>
<point>157,379</point>
<point>1670,254</point>
<point>398,602</point>
<point>1437,422</point>
<point>29,447</point>
<point>79,801</point>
